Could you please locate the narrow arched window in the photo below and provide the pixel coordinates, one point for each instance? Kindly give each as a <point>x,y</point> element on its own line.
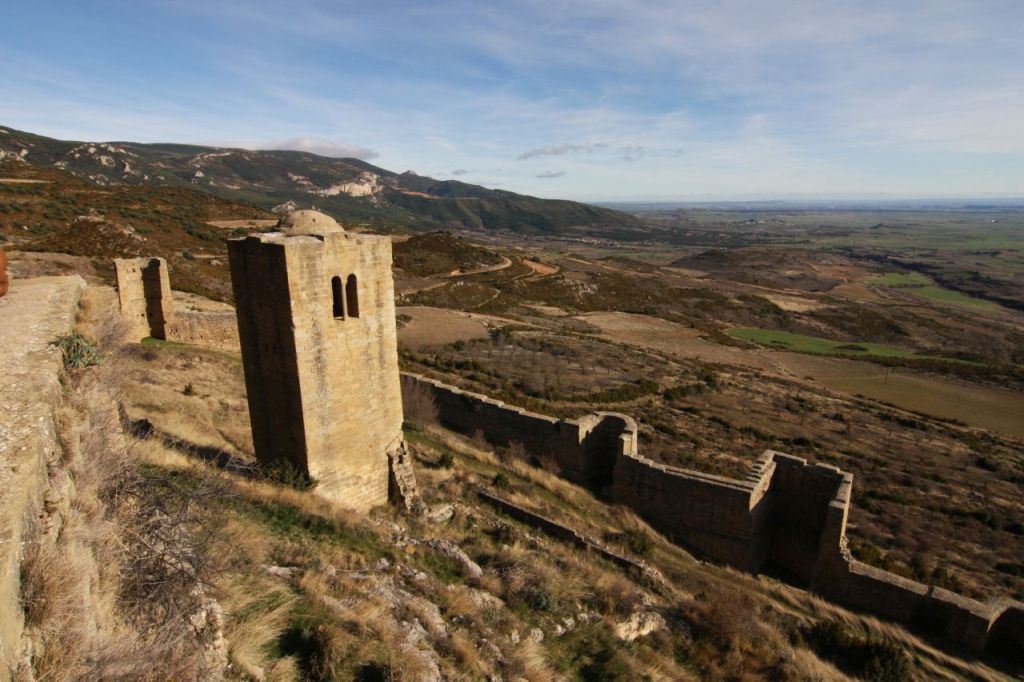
<point>352,296</point>
<point>339,303</point>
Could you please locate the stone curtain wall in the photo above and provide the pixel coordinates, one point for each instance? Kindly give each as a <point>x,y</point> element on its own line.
<point>218,330</point>
<point>579,447</point>
<point>786,514</point>
<point>718,517</point>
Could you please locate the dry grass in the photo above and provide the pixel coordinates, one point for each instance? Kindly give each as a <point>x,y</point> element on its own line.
<point>109,593</point>
<point>530,661</point>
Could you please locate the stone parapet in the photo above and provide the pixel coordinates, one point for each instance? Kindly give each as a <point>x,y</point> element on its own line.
<point>34,313</point>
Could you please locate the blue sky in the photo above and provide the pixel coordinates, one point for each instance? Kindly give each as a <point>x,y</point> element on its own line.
<point>594,100</point>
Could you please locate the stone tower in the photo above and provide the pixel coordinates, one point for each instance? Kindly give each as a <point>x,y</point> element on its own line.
<point>316,318</point>
<point>144,290</point>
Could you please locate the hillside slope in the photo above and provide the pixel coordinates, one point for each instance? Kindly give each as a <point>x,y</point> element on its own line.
<point>350,189</point>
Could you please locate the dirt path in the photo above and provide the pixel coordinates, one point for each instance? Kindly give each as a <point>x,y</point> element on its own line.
<point>541,268</point>
<point>505,262</point>
<point>231,224</point>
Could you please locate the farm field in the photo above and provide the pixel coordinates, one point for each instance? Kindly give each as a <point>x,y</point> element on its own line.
<point>919,285</point>
<point>984,407</point>
<point>802,343</point>
<point>423,326</point>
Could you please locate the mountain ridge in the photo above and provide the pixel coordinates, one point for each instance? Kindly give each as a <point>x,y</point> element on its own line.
<point>350,189</point>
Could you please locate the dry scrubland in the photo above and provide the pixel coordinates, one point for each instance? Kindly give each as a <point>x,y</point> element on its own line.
<point>571,325</point>
<point>933,442</point>
<point>467,591</point>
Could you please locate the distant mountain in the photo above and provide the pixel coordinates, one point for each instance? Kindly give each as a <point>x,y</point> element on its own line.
<point>350,189</point>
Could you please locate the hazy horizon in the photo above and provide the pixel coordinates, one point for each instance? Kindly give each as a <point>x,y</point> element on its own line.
<point>597,101</point>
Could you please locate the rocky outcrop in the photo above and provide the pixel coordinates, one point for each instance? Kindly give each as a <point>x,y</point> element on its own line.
<point>402,488</point>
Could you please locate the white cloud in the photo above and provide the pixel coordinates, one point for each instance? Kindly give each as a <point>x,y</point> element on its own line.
<point>321,146</point>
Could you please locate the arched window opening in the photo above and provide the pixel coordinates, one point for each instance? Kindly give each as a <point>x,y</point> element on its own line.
<point>339,303</point>
<point>352,296</point>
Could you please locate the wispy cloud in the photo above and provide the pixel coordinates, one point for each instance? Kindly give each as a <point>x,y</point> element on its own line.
<point>550,174</point>
<point>460,171</point>
<point>562,150</point>
<point>633,152</point>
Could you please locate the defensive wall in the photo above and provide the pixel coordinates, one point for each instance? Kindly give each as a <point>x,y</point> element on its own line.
<point>32,316</point>
<point>210,329</point>
<point>786,516</point>
<point>147,307</point>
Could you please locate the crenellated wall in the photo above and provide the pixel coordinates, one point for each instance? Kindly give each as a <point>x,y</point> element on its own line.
<point>787,515</point>
<point>584,449</point>
<point>718,517</point>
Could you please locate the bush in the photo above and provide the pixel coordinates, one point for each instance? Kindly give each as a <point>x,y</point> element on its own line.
<point>885,661</point>
<point>78,352</point>
<point>866,656</point>
<point>984,462</point>
<point>539,599</point>
<point>640,542</point>
<point>1011,568</point>
<point>419,404</point>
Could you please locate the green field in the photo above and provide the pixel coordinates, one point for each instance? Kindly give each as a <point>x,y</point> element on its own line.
<point>801,343</point>
<point>919,285</point>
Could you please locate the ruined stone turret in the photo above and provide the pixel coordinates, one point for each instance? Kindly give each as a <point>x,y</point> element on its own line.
<point>144,290</point>
<point>316,319</point>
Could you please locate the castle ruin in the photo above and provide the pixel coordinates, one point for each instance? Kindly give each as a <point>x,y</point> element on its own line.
<point>316,327</point>
<point>316,320</point>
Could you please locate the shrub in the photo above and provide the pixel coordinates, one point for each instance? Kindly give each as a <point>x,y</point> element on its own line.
<point>419,404</point>
<point>679,392</point>
<point>885,661</point>
<point>538,599</point>
<point>78,352</point>
<point>640,542</point>
<point>1011,568</point>
<point>866,656</point>
<point>984,462</point>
